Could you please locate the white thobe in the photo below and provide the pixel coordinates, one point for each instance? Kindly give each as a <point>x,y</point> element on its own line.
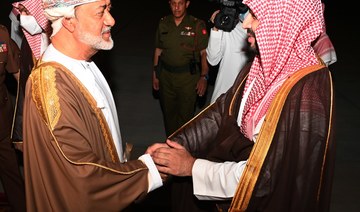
<point>228,48</point>
<point>94,81</point>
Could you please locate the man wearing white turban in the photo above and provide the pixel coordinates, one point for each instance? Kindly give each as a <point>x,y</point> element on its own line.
<point>73,156</point>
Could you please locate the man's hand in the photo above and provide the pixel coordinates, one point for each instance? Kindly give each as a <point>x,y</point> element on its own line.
<point>175,160</point>
<point>212,19</point>
<point>202,83</point>
<point>151,149</point>
<point>201,86</point>
<point>155,82</point>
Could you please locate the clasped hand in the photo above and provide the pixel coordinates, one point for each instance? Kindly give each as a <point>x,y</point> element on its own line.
<point>171,158</point>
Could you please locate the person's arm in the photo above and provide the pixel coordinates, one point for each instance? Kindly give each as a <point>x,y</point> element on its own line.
<point>204,76</point>
<point>201,42</point>
<point>214,50</point>
<point>216,181</point>
<point>211,180</point>
<point>204,65</point>
<point>155,80</point>
<point>154,178</point>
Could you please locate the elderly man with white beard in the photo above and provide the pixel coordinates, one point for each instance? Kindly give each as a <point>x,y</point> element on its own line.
<point>73,156</point>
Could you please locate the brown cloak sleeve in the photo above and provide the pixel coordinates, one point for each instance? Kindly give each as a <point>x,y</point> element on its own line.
<point>70,161</point>
<point>298,169</point>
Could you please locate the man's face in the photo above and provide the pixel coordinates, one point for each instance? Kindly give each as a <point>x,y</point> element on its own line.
<point>178,7</point>
<point>250,24</point>
<point>94,22</point>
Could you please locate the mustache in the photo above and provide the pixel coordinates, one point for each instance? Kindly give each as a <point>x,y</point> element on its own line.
<point>251,32</point>
<point>106,30</point>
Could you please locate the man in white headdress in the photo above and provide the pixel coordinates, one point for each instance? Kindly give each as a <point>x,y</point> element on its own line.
<point>73,157</point>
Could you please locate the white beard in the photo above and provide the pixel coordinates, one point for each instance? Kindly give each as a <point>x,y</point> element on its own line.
<point>96,42</point>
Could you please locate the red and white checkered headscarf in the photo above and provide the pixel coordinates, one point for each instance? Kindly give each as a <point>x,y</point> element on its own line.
<point>284,35</point>
<point>36,10</point>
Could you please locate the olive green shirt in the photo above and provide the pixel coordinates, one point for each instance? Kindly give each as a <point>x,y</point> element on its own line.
<point>179,42</point>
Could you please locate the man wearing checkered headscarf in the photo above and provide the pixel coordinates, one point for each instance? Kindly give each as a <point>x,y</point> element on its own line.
<point>73,153</point>
<point>35,25</point>
<point>31,30</point>
<point>267,143</point>
<point>323,45</point>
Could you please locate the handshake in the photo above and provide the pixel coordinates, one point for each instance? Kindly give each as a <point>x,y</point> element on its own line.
<point>171,158</point>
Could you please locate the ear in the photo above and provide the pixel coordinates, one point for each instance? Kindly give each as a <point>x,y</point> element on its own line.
<point>68,23</point>
<point>187,4</point>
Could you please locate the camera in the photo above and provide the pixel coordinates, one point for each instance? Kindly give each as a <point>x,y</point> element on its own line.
<point>229,13</point>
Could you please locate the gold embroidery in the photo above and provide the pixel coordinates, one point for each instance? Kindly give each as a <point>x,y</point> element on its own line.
<point>257,156</point>
<point>45,96</point>
<point>92,102</point>
<point>37,76</point>
<point>102,121</point>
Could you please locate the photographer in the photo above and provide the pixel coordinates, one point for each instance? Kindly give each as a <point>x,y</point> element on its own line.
<point>228,48</point>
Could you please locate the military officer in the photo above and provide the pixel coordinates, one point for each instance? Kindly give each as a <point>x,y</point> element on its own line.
<point>180,66</point>
<point>180,75</point>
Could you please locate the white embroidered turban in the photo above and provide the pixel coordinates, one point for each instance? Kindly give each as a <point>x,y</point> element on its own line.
<point>56,10</point>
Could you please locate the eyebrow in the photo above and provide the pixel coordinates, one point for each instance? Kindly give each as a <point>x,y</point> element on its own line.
<point>251,12</point>
<point>107,6</point>
<point>104,6</point>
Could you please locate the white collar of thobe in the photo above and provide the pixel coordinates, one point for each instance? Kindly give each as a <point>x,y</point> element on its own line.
<point>93,80</point>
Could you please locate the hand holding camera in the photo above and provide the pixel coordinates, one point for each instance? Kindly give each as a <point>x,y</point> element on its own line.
<point>228,15</point>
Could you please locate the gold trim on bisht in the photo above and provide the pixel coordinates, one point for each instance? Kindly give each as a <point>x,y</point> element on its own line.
<point>45,95</point>
<point>258,154</point>
<point>47,101</point>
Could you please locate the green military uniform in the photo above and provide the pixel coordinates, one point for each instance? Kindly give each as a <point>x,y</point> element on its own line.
<point>177,81</point>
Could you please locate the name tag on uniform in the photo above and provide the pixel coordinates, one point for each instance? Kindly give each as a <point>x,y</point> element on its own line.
<point>190,34</point>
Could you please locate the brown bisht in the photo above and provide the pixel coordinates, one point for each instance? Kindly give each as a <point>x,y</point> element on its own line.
<point>70,160</point>
<point>288,169</point>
